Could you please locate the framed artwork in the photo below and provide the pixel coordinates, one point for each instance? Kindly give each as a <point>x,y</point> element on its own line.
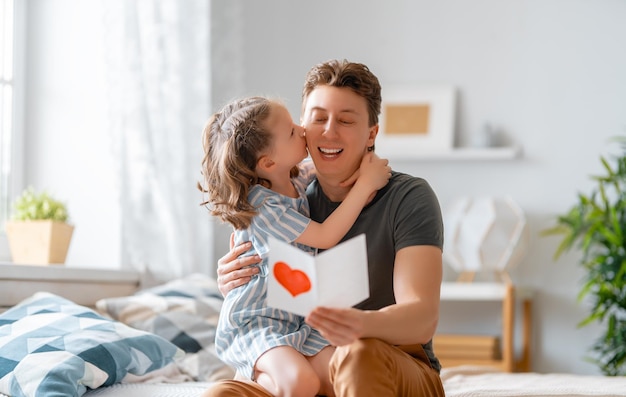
<point>416,120</point>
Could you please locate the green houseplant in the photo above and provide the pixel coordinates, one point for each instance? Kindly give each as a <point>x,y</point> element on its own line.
<point>596,225</point>
<point>38,232</point>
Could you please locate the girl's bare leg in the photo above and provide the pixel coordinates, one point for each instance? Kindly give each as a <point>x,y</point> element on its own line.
<point>285,372</point>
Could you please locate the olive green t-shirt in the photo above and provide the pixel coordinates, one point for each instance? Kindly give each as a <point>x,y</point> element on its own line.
<point>404,213</point>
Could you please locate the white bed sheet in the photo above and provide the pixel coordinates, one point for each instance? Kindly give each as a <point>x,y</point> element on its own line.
<point>186,389</point>
<point>470,381</point>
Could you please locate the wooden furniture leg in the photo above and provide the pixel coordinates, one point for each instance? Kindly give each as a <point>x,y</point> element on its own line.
<point>524,363</point>
<point>508,321</point>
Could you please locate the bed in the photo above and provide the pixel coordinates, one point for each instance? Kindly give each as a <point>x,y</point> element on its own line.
<point>458,381</point>
<point>158,342</point>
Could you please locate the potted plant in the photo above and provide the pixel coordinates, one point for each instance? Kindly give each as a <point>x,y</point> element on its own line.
<point>596,224</point>
<point>38,232</point>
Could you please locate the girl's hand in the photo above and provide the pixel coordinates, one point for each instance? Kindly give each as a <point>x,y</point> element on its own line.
<point>354,177</point>
<point>374,171</point>
<point>232,270</point>
<point>339,326</point>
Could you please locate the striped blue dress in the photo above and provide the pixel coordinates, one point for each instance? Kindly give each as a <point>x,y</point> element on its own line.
<point>247,327</point>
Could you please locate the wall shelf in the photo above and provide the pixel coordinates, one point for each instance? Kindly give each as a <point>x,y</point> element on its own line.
<point>464,154</point>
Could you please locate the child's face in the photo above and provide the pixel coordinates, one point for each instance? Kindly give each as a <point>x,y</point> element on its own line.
<point>289,145</point>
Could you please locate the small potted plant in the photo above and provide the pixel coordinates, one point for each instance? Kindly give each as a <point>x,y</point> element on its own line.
<point>38,232</point>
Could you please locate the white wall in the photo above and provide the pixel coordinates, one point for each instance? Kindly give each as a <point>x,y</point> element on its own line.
<point>548,72</point>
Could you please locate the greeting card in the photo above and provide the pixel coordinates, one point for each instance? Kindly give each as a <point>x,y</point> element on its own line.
<point>298,281</point>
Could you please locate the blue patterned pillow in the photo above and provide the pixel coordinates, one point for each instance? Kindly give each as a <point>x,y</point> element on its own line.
<point>184,311</point>
<point>50,346</point>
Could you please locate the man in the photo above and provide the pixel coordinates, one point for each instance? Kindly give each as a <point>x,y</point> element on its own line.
<point>383,345</point>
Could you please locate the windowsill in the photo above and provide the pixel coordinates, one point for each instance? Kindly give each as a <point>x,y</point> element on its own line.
<point>80,285</point>
<point>11,271</point>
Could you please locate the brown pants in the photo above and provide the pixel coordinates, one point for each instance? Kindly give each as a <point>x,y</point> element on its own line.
<point>368,367</point>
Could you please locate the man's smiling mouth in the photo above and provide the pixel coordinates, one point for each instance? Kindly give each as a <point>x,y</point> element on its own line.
<point>327,151</point>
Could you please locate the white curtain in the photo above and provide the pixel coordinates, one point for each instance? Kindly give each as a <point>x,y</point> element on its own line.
<point>158,68</point>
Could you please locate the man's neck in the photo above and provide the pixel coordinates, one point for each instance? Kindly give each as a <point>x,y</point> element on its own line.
<point>333,190</point>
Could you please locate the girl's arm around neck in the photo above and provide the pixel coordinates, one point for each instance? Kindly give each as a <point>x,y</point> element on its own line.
<point>375,174</point>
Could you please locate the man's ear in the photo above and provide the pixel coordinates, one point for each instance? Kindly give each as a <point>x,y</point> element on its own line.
<point>373,132</point>
<point>264,163</point>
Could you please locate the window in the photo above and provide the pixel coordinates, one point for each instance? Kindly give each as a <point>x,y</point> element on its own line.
<point>11,26</point>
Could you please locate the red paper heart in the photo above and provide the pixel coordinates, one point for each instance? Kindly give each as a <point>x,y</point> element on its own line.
<point>294,281</point>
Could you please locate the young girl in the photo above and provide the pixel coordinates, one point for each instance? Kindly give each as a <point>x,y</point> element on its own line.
<point>255,180</point>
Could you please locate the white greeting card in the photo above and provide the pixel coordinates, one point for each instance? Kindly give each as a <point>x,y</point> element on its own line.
<point>299,282</point>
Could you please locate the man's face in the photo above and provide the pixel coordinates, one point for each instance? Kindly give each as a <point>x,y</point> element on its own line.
<point>337,131</point>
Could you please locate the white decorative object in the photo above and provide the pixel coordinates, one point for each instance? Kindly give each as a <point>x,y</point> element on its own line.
<point>486,138</point>
<point>484,234</point>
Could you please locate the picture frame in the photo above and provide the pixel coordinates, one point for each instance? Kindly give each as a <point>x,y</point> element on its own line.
<point>416,120</point>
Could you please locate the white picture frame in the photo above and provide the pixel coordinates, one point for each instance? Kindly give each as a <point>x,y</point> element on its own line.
<point>416,120</point>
